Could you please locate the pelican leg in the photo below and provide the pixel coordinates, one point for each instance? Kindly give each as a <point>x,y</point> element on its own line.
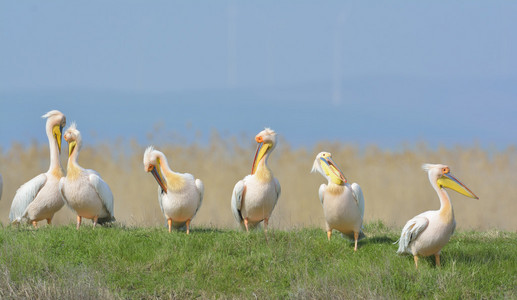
<point>49,221</point>
<point>416,261</point>
<point>188,226</point>
<point>356,237</point>
<point>266,221</point>
<point>246,224</point>
<point>79,219</point>
<point>329,234</point>
<point>35,224</point>
<point>169,223</point>
<point>95,219</point>
<point>437,259</point>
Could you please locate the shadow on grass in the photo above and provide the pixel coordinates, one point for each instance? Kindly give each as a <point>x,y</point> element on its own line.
<point>378,240</point>
<point>210,230</point>
<point>478,257</point>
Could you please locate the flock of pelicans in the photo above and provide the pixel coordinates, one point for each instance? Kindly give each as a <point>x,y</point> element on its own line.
<point>253,198</point>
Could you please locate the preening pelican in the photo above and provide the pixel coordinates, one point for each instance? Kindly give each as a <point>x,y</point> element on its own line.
<point>343,203</point>
<point>83,190</point>
<point>39,199</point>
<point>427,233</point>
<point>179,195</point>
<point>255,197</point>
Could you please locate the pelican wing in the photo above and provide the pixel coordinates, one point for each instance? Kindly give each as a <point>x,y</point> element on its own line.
<point>161,194</point>
<point>61,191</point>
<point>359,198</point>
<point>278,189</point>
<point>201,190</point>
<point>24,196</point>
<point>238,192</point>
<point>103,190</point>
<point>411,231</point>
<point>321,192</point>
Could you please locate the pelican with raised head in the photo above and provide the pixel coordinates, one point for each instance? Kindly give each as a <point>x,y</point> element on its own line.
<point>255,197</point>
<point>39,198</point>
<point>179,194</point>
<point>427,233</point>
<point>343,203</point>
<point>83,190</point>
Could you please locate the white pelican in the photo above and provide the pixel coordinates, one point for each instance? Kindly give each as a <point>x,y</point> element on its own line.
<point>39,199</point>
<point>255,197</point>
<point>180,195</point>
<point>343,203</point>
<point>427,233</point>
<point>83,190</point>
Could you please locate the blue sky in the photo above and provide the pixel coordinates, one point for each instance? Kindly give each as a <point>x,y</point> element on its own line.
<point>352,71</point>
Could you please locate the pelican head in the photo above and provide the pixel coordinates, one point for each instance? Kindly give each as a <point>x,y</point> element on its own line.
<point>73,138</point>
<point>328,168</point>
<point>56,121</point>
<point>152,163</point>
<point>266,140</point>
<point>440,174</point>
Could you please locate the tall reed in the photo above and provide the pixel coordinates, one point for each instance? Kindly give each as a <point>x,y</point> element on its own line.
<point>394,186</point>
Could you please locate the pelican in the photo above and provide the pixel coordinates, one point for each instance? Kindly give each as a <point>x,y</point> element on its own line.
<point>427,233</point>
<point>255,197</point>
<point>83,190</point>
<point>38,199</point>
<point>343,203</point>
<point>179,195</point>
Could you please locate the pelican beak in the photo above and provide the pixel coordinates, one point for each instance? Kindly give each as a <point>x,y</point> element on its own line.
<point>71,147</point>
<point>332,170</point>
<point>449,181</point>
<point>56,131</point>
<point>158,177</point>
<point>262,148</point>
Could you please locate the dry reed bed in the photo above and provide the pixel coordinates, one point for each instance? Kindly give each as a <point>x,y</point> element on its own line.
<point>393,183</point>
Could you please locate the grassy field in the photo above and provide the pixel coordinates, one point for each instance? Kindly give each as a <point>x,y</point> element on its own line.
<point>137,258</point>
<point>394,186</point>
<point>129,262</point>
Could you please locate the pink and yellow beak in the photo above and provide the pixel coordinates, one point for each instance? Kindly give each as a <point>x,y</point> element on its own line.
<point>57,131</point>
<point>262,149</point>
<point>449,181</point>
<point>71,146</point>
<point>332,170</point>
<point>158,176</point>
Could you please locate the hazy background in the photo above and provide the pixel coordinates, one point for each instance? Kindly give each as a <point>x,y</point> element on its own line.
<point>433,80</point>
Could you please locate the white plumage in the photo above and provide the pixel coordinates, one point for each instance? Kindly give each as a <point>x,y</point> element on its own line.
<point>427,233</point>
<point>343,203</point>
<point>180,195</point>
<point>255,197</point>
<point>39,198</point>
<point>83,190</point>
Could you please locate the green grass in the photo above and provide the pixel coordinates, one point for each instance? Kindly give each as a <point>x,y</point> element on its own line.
<point>118,262</point>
